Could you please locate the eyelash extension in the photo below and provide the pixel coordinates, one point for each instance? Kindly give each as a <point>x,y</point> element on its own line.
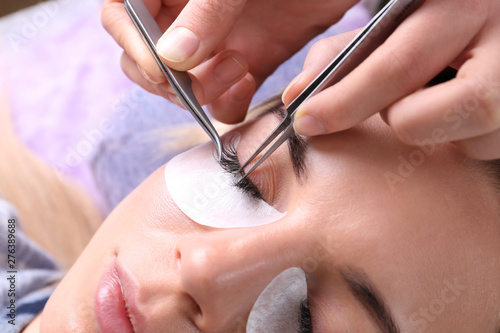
<point>305,322</point>
<point>230,163</point>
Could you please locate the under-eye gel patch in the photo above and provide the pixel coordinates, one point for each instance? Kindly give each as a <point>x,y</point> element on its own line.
<point>278,307</point>
<point>206,193</point>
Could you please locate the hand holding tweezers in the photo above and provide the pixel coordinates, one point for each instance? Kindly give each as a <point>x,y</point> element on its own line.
<point>180,81</point>
<point>372,36</point>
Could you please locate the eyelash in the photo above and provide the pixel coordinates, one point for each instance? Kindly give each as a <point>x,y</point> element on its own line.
<point>305,322</point>
<point>230,163</point>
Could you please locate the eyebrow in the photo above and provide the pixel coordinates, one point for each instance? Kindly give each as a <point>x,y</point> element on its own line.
<point>370,298</point>
<point>297,145</point>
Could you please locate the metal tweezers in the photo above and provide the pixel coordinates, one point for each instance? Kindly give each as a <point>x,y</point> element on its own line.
<point>373,35</point>
<point>180,81</point>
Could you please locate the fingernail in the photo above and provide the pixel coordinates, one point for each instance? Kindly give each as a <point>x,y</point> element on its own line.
<point>178,45</point>
<point>294,82</point>
<point>308,125</point>
<point>146,76</point>
<point>241,90</point>
<point>174,99</point>
<point>229,70</point>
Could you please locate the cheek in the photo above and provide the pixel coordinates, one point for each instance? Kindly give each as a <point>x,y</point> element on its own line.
<point>205,192</point>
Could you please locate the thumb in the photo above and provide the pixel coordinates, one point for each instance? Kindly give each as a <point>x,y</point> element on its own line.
<point>198,30</point>
<point>313,119</point>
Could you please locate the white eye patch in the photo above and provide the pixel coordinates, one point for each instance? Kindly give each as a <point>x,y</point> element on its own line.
<point>278,307</point>
<point>206,193</point>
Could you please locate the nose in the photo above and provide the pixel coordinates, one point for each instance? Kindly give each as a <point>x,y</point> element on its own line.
<point>225,271</point>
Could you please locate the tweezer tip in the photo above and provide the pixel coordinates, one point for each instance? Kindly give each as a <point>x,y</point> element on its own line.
<point>219,151</point>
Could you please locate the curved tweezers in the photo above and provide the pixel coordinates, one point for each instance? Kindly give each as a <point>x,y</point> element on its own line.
<point>373,35</point>
<point>180,81</point>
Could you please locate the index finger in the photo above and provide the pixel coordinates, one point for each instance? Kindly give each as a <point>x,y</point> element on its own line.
<point>119,25</point>
<point>408,59</point>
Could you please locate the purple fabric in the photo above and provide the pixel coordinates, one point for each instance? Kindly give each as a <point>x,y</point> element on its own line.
<point>63,79</point>
<point>74,107</point>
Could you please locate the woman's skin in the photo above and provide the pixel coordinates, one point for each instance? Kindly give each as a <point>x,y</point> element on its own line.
<point>430,246</point>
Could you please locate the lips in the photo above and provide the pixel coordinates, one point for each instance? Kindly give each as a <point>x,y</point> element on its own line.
<point>109,303</point>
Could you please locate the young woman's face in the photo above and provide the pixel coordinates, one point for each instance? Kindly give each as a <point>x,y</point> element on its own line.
<point>386,236</point>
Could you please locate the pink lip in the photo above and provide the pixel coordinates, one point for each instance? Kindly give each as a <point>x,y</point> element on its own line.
<point>109,303</point>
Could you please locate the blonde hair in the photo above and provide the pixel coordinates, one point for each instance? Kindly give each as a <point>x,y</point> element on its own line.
<point>53,212</point>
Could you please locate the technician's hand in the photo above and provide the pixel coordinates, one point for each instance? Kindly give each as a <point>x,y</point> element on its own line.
<point>463,34</point>
<point>230,45</point>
